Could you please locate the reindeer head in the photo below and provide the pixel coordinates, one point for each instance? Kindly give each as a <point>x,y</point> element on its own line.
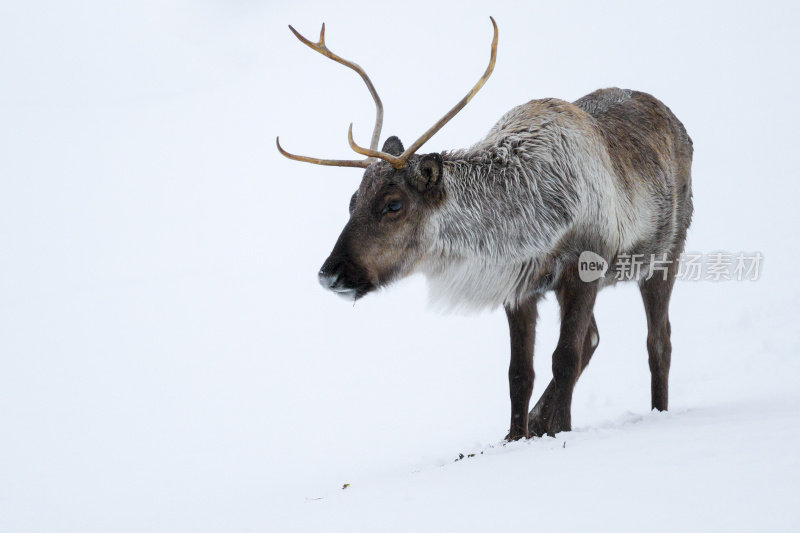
<point>387,234</point>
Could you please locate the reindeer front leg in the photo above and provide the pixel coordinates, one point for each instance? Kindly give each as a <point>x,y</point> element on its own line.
<point>542,412</point>
<point>522,327</point>
<point>578,327</point>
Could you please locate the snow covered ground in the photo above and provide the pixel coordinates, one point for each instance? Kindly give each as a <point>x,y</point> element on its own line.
<point>169,363</point>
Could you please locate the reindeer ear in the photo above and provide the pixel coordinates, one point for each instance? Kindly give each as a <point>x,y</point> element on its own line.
<point>428,173</point>
<point>393,146</point>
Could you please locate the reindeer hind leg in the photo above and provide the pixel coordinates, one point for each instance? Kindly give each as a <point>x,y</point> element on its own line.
<point>656,293</point>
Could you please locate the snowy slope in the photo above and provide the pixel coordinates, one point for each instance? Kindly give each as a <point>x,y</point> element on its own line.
<point>169,363</point>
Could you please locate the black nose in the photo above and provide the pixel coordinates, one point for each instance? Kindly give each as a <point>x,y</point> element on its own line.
<point>327,280</point>
<point>331,279</point>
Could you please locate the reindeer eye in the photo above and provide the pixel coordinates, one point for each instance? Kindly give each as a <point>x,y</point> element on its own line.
<point>393,206</point>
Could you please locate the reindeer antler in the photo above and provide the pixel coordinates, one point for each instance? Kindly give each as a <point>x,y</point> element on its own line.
<point>376,132</point>
<point>372,152</point>
<point>400,162</point>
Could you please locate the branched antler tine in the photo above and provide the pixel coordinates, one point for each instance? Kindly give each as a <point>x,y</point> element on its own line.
<point>318,46</point>
<point>323,49</point>
<point>396,162</point>
<point>459,106</point>
<point>327,162</point>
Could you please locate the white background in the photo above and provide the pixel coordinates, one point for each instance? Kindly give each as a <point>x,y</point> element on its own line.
<point>168,361</point>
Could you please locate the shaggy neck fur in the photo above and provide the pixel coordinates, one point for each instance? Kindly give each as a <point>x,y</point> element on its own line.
<point>506,208</point>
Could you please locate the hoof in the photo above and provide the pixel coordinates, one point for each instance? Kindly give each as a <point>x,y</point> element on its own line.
<point>516,435</point>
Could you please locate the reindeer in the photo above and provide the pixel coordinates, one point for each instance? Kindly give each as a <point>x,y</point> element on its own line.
<point>505,221</point>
